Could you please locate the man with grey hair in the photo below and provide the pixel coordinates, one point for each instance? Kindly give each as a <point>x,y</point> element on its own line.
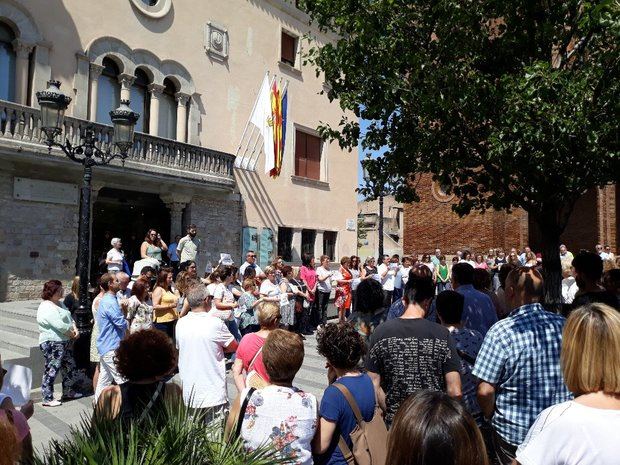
<point>123,283</point>
<point>202,340</point>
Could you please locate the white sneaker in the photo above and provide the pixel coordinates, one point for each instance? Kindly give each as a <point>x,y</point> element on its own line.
<point>52,403</point>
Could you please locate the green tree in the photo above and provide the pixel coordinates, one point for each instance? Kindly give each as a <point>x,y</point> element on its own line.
<point>511,103</point>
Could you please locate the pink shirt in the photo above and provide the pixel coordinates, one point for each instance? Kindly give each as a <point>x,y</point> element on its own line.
<point>249,345</point>
<point>482,265</point>
<point>309,276</point>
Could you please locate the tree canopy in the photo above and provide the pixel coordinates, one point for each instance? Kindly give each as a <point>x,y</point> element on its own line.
<point>510,103</point>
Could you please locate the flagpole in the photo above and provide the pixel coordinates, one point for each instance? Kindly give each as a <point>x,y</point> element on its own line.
<point>237,164</point>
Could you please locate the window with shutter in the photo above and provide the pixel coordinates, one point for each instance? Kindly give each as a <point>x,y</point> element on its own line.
<point>307,155</point>
<point>288,49</point>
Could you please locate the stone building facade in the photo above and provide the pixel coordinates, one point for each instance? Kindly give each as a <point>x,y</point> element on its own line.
<point>368,212</point>
<point>431,224</point>
<point>193,72</point>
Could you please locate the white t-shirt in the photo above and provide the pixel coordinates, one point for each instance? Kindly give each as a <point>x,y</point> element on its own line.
<point>572,434</point>
<point>188,247</point>
<point>388,280</point>
<point>117,256</point>
<point>569,289</point>
<point>324,286</point>
<point>245,265</point>
<point>269,289</point>
<point>201,339</point>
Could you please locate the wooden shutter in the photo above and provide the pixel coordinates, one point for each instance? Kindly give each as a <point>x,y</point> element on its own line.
<point>288,49</point>
<point>313,157</point>
<point>300,154</point>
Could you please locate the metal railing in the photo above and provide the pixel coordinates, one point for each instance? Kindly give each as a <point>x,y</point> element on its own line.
<point>23,123</point>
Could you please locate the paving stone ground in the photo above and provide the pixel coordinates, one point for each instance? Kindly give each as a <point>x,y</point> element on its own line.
<point>55,423</point>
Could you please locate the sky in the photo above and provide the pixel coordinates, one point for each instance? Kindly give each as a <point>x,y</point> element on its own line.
<point>362,155</point>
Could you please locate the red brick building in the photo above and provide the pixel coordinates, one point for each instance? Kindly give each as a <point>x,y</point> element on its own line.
<point>431,224</point>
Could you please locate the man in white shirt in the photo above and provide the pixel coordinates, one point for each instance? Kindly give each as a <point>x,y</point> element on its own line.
<point>250,260</point>
<point>610,254</point>
<point>202,340</point>
<point>189,245</point>
<point>398,278</point>
<point>324,277</point>
<point>435,258</point>
<point>386,274</point>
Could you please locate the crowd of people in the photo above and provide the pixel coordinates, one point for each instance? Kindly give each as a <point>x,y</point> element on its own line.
<point>461,362</point>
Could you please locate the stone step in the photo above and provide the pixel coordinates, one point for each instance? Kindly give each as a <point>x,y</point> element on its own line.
<point>24,311</point>
<point>12,357</point>
<point>18,326</point>
<point>17,342</point>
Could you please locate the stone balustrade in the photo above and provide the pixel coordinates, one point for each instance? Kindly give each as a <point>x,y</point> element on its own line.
<point>19,123</point>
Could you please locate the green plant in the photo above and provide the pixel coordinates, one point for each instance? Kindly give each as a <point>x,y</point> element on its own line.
<point>175,438</point>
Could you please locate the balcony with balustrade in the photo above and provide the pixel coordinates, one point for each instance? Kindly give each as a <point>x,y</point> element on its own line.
<point>21,136</point>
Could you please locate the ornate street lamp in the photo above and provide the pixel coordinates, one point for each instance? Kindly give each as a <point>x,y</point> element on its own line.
<point>53,105</point>
<point>378,192</point>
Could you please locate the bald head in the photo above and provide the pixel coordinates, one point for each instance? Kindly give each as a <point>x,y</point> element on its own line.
<point>524,285</point>
<point>123,280</point>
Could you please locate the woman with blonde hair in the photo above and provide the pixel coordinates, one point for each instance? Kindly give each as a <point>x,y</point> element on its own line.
<point>249,358</point>
<point>583,430</point>
<point>72,299</point>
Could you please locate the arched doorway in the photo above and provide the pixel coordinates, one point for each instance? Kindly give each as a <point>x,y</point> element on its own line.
<point>128,215</point>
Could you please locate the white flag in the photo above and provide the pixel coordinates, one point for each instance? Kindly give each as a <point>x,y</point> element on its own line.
<point>262,119</point>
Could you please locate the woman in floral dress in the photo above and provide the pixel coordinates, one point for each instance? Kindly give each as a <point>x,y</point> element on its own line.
<point>280,414</point>
<point>139,313</point>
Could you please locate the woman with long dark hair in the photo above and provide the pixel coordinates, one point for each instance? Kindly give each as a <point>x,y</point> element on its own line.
<point>153,246</point>
<point>431,428</point>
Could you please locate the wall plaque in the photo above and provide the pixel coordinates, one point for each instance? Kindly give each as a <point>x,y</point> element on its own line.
<point>351,224</point>
<point>36,190</point>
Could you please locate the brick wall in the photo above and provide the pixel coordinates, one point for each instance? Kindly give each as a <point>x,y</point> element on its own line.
<point>431,224</point>
<point>48,229</point>
<point>219,228</point>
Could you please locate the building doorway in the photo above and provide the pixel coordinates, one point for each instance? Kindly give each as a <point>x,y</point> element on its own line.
<point>128,215</point>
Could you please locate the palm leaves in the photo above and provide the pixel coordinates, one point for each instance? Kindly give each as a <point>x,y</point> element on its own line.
<point>178,440</point>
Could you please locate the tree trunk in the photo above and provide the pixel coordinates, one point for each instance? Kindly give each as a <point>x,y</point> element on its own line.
<point>552,267</point>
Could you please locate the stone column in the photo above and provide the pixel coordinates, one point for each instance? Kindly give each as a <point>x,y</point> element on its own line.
<point>318,244</point>
<point>22,50</point>
<point>95,72</point>
<point>182,100</point>
<point>296,245</point>
<point>126,80</point>
<point>156,91</point>
<point>176,203</point>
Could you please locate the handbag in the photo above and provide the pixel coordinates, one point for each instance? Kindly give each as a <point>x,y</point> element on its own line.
<point>253,378</point>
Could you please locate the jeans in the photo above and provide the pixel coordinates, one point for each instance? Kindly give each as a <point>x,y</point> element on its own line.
<point>167,327</point>
<point>322,301</point>
<point>397,294</point>
<point>234,329</point>
<point>58,357</point>
<point>107,373</point>
<point>443,287</point>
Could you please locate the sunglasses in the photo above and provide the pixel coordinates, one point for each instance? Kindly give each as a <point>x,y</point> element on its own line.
<point>251,256</point>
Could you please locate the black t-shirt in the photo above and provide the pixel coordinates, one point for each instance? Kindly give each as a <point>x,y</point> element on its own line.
<point>410,355</point>
<point>601,297</point>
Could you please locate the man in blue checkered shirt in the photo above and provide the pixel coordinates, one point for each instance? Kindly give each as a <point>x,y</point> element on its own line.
<point>519,364</point>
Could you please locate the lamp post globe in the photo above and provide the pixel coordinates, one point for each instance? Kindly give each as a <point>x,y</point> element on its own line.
<point>53,104</point>
<point>124,120</point>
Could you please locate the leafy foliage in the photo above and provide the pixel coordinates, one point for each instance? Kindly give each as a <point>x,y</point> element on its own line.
<point>512,103</point>
<point>180,440</point>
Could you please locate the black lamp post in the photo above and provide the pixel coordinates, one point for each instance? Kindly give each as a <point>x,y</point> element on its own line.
<point>378,191</point>
<point>53,105</point>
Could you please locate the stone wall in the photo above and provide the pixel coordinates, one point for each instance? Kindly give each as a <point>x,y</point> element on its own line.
<point>38,242</point>
<point>219,223</point>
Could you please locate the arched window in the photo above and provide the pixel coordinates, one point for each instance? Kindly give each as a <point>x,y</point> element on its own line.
<point>7,63</point>
<point>108,91</point>
<point>140,100</point>
<point>168,111</point>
